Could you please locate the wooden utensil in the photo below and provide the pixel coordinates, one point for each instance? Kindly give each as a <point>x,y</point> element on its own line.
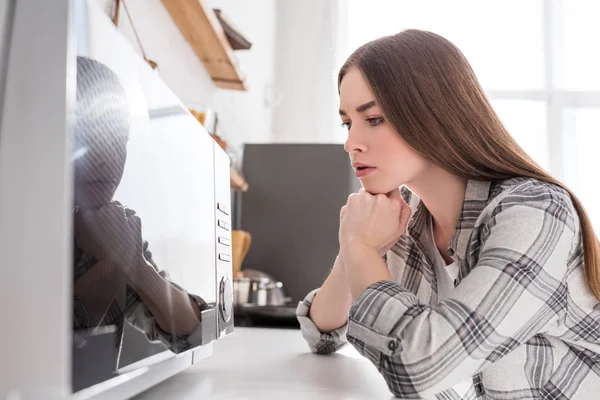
<point>240,244</point>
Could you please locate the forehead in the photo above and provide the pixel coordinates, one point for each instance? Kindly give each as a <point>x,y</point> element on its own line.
<point>354,90</point>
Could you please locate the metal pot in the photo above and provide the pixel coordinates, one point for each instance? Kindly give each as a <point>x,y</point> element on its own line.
<point>257,288</point>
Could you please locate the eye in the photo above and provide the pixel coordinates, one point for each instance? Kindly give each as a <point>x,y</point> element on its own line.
<point>375,121</point>
<point>346,124</point>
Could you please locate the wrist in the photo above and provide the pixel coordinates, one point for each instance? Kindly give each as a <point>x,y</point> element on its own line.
<point>363,267</point>
<point>139,276</point>
<point>356,250</point>
<point>354,246</point>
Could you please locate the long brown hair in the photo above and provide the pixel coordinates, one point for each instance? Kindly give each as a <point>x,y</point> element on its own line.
<point>427,90</point>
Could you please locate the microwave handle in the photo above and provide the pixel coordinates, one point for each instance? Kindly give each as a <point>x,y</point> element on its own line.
<point>209,324</point>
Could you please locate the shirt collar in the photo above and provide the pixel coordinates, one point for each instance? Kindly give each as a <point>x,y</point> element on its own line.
<point>476,198</point>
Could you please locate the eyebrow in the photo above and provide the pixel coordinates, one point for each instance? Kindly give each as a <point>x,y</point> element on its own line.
<point>361,108</point>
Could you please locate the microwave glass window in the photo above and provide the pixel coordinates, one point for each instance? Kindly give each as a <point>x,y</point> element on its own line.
<point>142,270</point>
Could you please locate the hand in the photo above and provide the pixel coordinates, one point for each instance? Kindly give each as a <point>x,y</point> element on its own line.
<point>111,233</point>
<point>384,249</point>
<point>376,221</point>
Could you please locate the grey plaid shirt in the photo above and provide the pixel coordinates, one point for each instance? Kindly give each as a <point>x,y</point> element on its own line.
<point>521,322</point>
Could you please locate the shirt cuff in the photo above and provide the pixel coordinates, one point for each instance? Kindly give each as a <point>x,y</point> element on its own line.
<point>319,343</point>
<point>377,313</point>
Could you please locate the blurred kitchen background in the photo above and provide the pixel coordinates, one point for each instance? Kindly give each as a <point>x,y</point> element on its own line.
<point>276,113</point>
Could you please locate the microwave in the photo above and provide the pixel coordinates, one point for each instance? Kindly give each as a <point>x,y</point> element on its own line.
<point>115,226</point>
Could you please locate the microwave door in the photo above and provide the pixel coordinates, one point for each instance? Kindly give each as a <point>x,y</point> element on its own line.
<point>145,255</point>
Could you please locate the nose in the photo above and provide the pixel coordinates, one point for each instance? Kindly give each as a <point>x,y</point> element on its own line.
<point>355,142</point>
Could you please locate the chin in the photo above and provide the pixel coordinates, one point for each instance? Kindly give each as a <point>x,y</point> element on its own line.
<point>378,187</point>
<point>95,200</point>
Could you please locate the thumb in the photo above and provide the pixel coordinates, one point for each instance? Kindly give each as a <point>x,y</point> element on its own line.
<point>135,223</point>
<point>342,212</point>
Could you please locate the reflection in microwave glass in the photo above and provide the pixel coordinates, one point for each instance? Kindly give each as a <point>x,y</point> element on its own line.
<point>116,280</point>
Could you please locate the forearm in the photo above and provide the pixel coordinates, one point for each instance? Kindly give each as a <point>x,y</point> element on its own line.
<point>329,309</point>
<point>363,266</point>
<point>173,309</point>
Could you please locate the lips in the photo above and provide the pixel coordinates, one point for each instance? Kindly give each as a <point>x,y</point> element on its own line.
<point>362,169</point>
<point>357,165</point>
<point>362,172</point>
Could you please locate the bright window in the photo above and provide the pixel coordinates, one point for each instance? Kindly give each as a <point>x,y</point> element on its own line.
<point>583,125</point>
<point>536,59</point>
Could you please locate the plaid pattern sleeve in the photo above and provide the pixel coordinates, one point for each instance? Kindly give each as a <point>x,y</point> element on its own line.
<point>319,343</point>
<point>139,316</point>
<point>521,324</point>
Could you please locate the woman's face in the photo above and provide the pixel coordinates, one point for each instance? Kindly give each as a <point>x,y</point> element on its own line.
<point>381,159</point>
<point>98,168</point>
<point>100,133</point>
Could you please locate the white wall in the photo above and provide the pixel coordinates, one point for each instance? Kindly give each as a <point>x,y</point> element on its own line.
<point>290,69</point>
<point>243,116</point>
<point>305,71</point>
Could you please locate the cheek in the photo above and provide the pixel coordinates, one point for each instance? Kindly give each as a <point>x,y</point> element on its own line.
<point>404,162</point>
<point>102,161</point>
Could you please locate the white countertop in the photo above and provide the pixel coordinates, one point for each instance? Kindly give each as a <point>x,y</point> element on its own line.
<point>258,363</point>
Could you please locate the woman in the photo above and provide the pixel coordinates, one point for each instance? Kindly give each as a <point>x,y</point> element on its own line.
<point>489,282</point>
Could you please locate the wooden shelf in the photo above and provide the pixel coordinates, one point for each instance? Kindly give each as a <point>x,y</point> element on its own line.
<point>201,28</point>
<point>237,182</point>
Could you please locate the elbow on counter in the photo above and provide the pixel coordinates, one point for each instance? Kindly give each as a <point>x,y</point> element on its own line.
<point>386,357</point>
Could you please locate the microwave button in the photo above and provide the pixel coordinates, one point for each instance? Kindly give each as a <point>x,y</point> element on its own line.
<point>223,208</point>
<point>224,257</point>
<point>223,240</point>
<point>223,224</point>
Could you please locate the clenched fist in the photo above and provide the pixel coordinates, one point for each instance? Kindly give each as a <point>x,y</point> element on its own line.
<point>112,233</point>
<point>376,221</point>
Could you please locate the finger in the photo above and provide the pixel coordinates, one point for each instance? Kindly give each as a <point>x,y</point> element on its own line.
<point>136,224</point>
<point>342,212</point>
<point>353,198</point>
<point>111,206</point>
<point>116,213</point>
<point>381,196</point>
<point>363,192</point>
<point>366,195</point>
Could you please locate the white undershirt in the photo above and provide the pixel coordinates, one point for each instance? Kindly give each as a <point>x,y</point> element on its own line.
<point>445,274</point>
